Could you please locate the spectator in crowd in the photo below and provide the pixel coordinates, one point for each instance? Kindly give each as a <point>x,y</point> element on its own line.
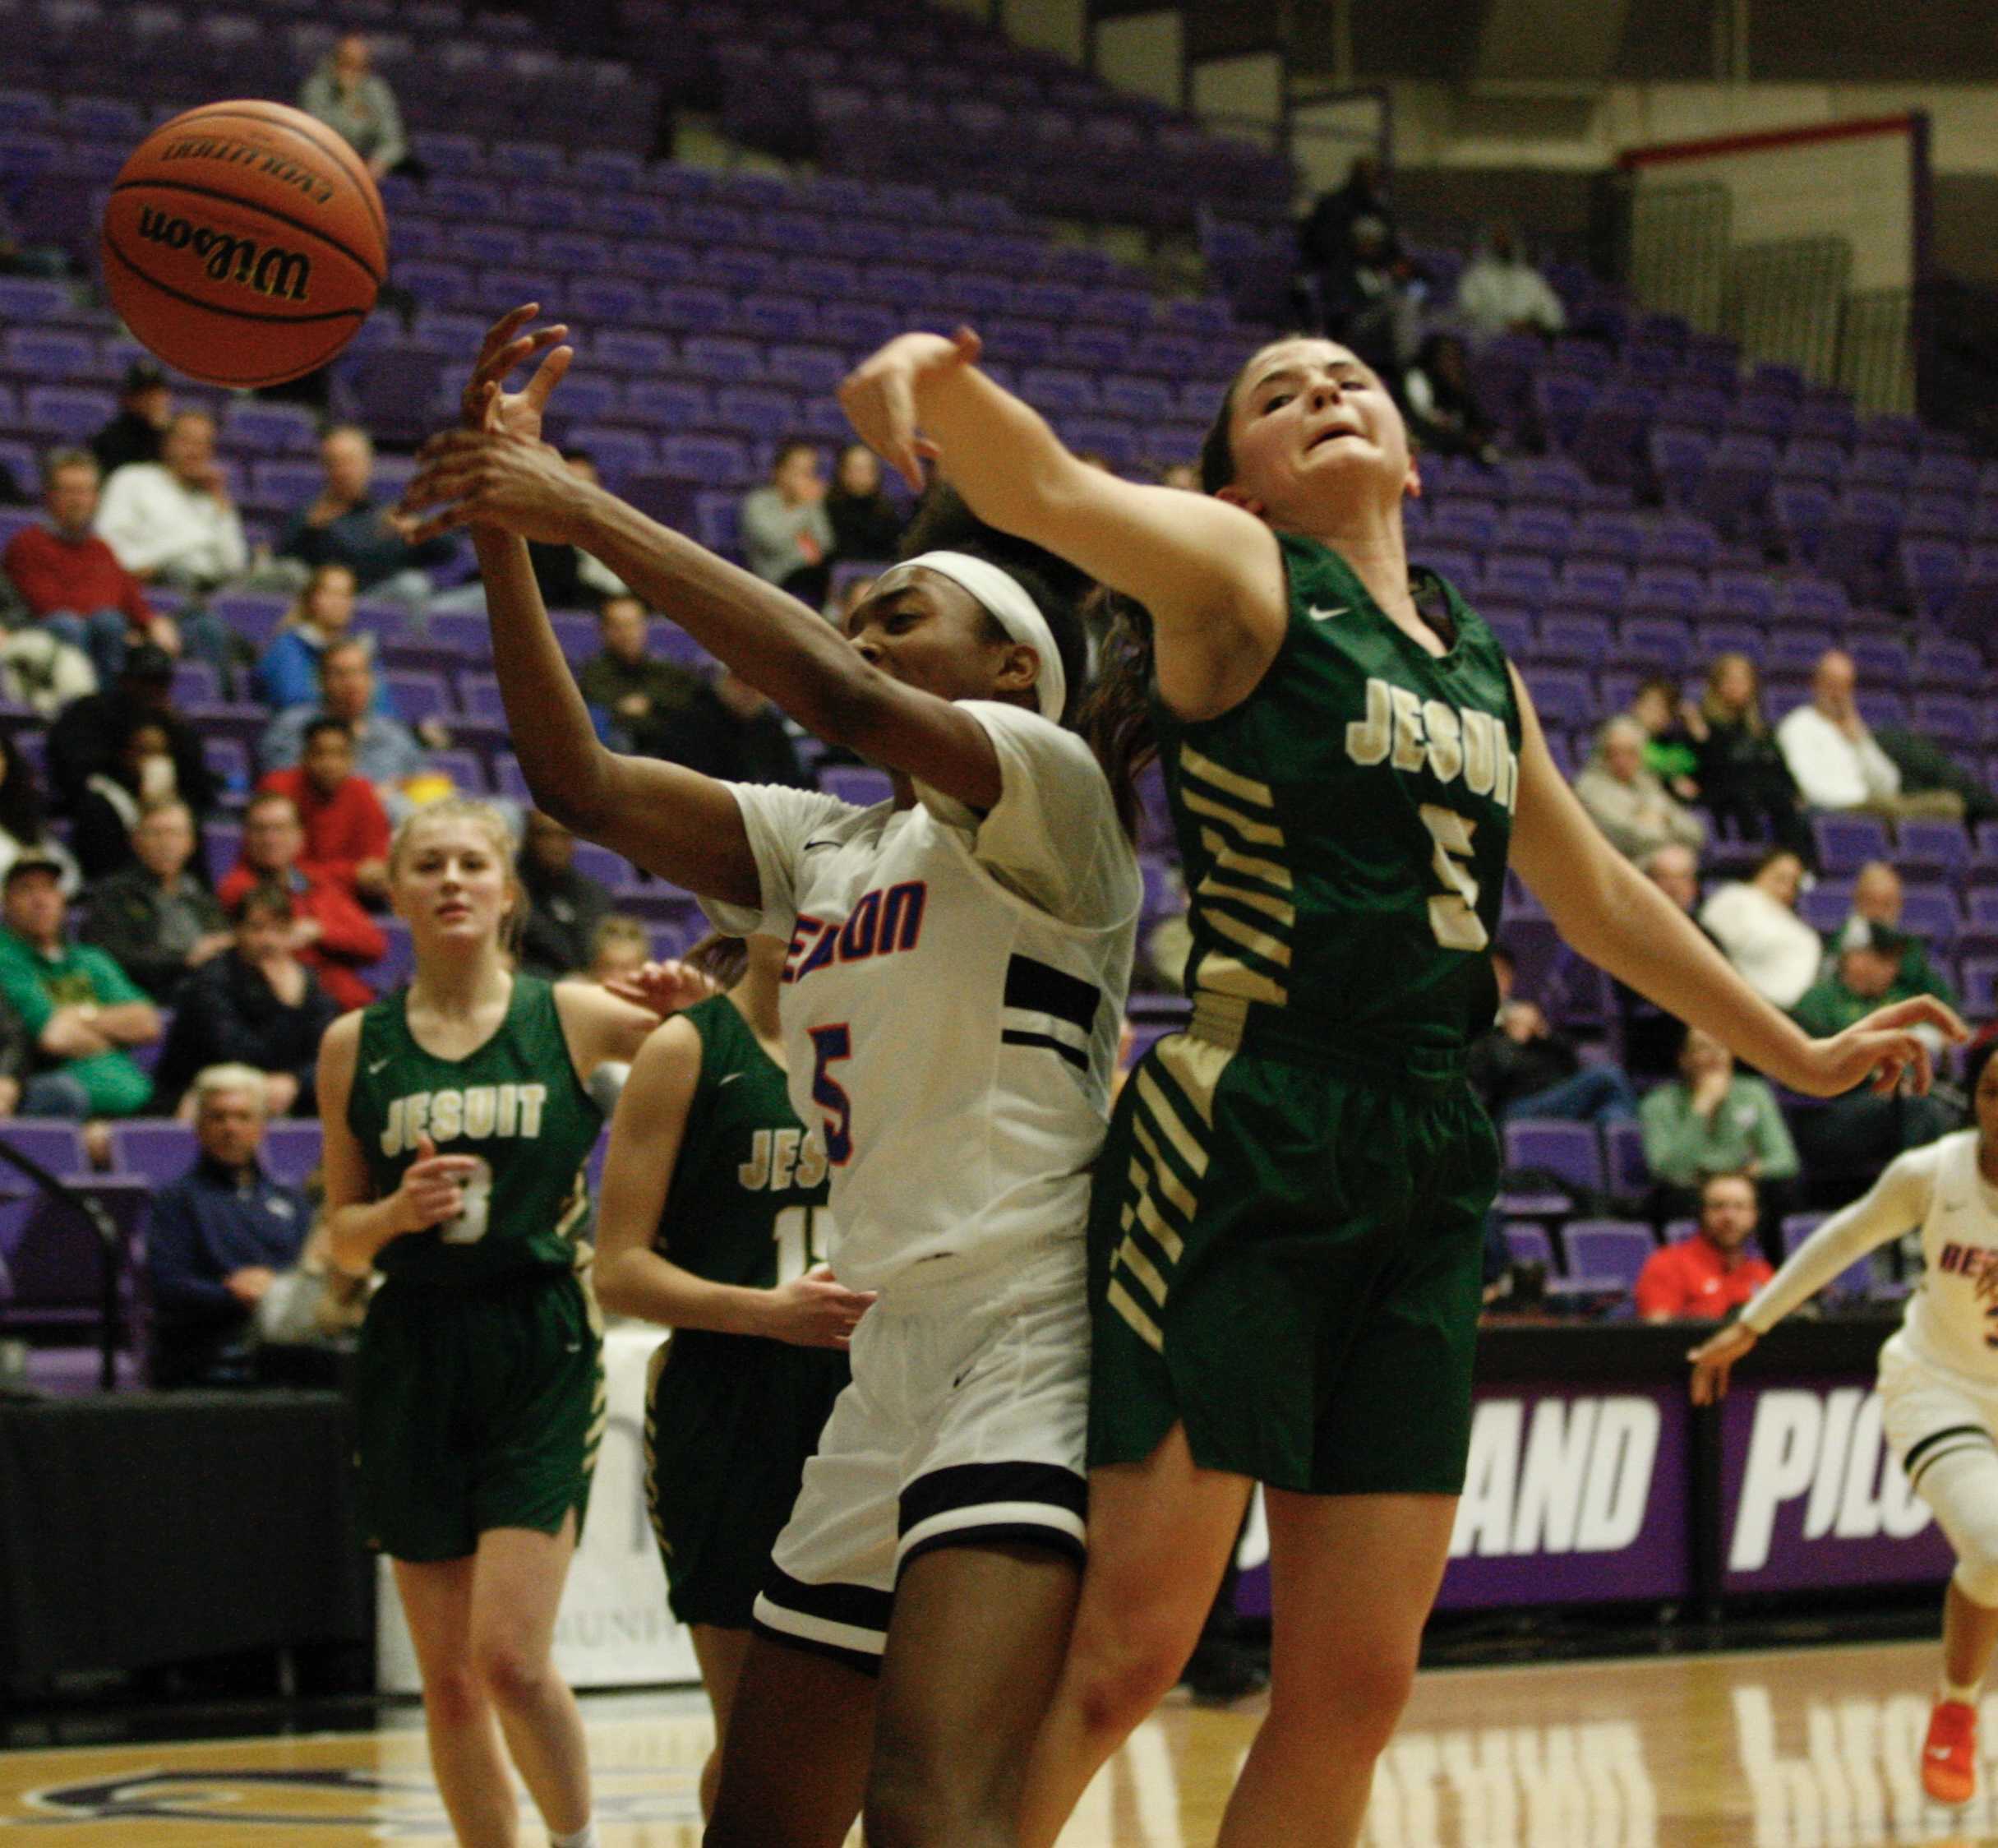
<point>23,826</point>
<point>82,1008</point>
<point>644,698</point>
<point>1706,1278</point>
<point>564,906</point>
<point>1743,777</point>
<point>1523,1068</point>
<point>1877,901</point>
<point>348,526</point>
<point>1651,1036</point>
<point>89,734</point>
<point>732,732</point>
<point>1444,415</point>
<point>1849,1139</point>
<point>219,1238</point>
<point>288,673</point>
<point>346,827</point>
<point>331,933</point>
<point>387,751</point>
<point>1370,303</point>
<point>619,947</point>
<point>355,101</point>
<point>1754,922</point>
<point>1668,745</point>
<point>1325,239</point>
<point>1501,292</point>
<point>138,433</point>
<point>153,918</point>
<point>787,536</point>
<point>173,521</point>
<point>71,581</point>
<point>1712,1120</point>
<point>1627,801</point>
<point>255,1004</point>
<point>1835,759</point>
<point>106,816</point>
<point>867,524</point>
<point>568,577</point>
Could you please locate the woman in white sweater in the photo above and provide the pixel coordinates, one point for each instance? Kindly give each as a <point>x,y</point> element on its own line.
<point>1938,1383</point>
<point>1754,922</point>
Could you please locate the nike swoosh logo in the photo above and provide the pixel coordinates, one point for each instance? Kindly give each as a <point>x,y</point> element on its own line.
<point>729,1079</point>
<point>376,1066</point>
<point>809,845</point>
<point>1318,615</point>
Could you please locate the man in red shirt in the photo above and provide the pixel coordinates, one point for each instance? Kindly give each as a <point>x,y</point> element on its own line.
<point>331,933</point>
<point>71,581</point>
<point>1705,1278</point>
<point>346,827</point>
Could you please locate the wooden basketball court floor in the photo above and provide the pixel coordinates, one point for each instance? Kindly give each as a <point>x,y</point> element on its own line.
<point>1798,1749</point>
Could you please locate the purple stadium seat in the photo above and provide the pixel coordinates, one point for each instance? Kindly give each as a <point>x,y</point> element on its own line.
<point>1522,578</point>
<point>1802,511</point>
<point>854,783</point>
<point>1812,599</point>
<point>1932,571</point>
<point>1623,1151</point>
<point>54,1142</point>
<point>670,404</point>
<point>1528,1244</point>
<point>1567,1151</point>
<point>160,1149</point>
<point>1679,463</point>
<point>1939,849</point>
<point>1463,525</point>
<point>1565,698</point>
<point>1930,912</point>
<point>706,459</point>
<point>1979,986</point>
<point>292,1147</point>
<point>1583,639</point>
<point>1608,1250</point>
<point>1560,402</point>
<point>418,697</point>
<point>1666,590</point>
<point>1845,843</point>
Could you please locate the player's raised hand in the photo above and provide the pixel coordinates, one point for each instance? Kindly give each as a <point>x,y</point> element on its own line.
<point>664,988</point>
<point>1885,1047</point>
<point>432,1187</point>
<point>1714,1357</point>
<point>473,478</point>
<point>879,396</point>
<point>510,342</point>
<point>815,1310</point>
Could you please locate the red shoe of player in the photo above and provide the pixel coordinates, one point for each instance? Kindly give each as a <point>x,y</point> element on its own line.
<point>1949,1756</point>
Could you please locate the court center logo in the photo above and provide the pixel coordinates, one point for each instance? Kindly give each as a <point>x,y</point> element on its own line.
<point>328,1802</point>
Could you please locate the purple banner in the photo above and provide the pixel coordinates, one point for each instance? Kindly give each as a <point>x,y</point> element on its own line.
<point>1570,1497</point>
<point>1811,1496</point>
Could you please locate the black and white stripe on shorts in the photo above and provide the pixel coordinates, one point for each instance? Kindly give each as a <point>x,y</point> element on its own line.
<point>1944,1442</point>
<point>848,1623</point>
<point>972,1505</point>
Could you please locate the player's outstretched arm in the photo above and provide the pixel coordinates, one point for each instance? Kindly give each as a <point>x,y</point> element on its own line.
<point>631,1276</point>
<point>1607,910</point>
<point>1897,1200</point>
<point>1209,573</point>
<point>604,1026</point>
<point>494,476</point>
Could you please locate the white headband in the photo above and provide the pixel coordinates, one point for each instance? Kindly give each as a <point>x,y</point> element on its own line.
<point>1014,610</point>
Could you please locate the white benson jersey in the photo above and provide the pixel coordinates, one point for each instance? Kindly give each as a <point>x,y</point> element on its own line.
<point>953,999</point>
<point>1951,1320</point>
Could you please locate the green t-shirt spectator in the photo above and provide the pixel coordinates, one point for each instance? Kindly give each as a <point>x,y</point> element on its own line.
<point>34,985</point>
<point>1830,1005</point>
<point>1746,1133</point>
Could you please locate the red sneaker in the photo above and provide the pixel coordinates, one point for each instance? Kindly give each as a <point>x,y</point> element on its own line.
<point>1949,1756</point>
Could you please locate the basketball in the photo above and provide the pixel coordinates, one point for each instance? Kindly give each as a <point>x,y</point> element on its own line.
<point>244,242</point>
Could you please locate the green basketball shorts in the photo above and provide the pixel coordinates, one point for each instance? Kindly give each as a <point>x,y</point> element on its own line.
<point>730,1421</point>
<point>1286,1255</point>
<point>476,1408</point>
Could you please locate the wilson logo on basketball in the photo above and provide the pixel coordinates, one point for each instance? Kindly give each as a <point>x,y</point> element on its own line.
<point>270,270</point>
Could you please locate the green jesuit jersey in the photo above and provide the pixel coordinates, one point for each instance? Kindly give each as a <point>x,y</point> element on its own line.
<point>516,1104</point>
<point>747,1203</point>
<point>1343,830</point>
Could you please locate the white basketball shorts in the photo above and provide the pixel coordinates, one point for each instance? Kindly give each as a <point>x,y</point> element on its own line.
<point>1927,1414</point>
<point>965,1424</point>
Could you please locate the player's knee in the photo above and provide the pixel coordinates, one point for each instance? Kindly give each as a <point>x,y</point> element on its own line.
<point>910,1805</point>
<point>1119,1670</point>
<point>1350,1700</point>
<point>1976,1571</point>
<point>455,1697</point>
<point>512,1676</point>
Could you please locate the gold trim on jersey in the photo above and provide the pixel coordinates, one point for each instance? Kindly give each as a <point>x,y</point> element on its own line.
<point>1172,1119</point>
<point>1244,898</point>
<point>653,1368</point>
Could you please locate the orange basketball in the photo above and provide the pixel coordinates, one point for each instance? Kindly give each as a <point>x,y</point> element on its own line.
<point>244,242</point>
